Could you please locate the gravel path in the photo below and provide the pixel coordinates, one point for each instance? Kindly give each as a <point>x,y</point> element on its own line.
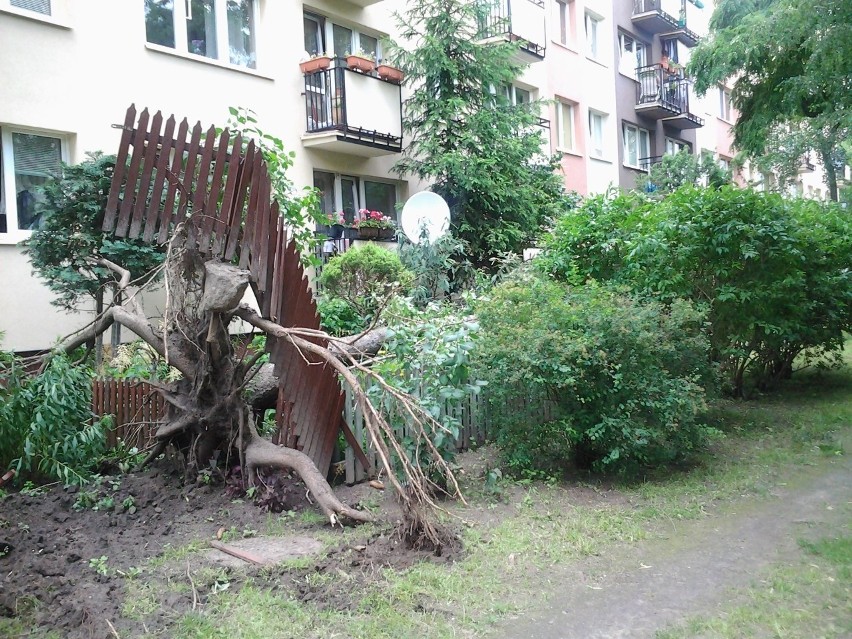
<point>646,587</point>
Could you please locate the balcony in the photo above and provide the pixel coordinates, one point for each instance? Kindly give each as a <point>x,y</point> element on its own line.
<point>664,96</point>
<point>666,18</point>
<point>520,21</point>
<point>351,112</point>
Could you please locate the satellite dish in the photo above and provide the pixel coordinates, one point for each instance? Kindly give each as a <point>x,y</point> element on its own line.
<point>425,216</point>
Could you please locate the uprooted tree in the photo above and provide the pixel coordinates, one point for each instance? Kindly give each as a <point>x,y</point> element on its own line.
<point>208,197</point>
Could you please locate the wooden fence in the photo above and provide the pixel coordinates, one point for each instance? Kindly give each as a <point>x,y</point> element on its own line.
<point>136,408</point>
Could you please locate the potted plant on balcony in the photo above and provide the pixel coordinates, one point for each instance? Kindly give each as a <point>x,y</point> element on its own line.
<point>361,61</point>
<point>374,225</point>
<point>316,62</point>
<point>336,225</point>
<point>389,72</point>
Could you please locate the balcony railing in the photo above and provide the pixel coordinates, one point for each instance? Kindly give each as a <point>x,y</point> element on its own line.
<point>646,163</point>
<point>520,21</point>
<point>359,113</point>
<point>664,95</point>
<point>668,18</point>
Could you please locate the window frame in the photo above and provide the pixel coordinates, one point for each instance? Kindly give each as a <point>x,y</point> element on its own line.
<point>563,22</point>
<point>592,147</point>
<point>645,47</point>
<point>359,190</point>
<point>223,42</point>
<point>561,107</point>
<point>641,152</point>
<point>356,33</point>
<point>677,145</point>
<point>725,104</point>
<point>8,195</point>
<point>594,45</point>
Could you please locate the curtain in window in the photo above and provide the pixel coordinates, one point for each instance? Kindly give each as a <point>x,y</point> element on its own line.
<point>37,159</point>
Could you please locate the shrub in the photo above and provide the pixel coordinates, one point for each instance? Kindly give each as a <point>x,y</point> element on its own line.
<point>338,317</point>
<point>774,272</point>
<point>592,376</point>
<point>46,427</point>
<point>365,276</point>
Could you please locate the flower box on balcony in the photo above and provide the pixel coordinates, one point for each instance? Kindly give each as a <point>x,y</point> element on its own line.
<point>389,73</point>
<point>318,63</point>
<point>360,63</point>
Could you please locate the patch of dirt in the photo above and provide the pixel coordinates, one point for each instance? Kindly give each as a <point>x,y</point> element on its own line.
<point>48,576</point>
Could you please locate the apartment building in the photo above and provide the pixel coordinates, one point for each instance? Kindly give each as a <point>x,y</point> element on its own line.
<point>611,71</point>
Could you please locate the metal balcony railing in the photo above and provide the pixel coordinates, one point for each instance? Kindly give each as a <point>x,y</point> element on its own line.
<point>361,107</point>
<point>656,85</point>
<point>521,21</point>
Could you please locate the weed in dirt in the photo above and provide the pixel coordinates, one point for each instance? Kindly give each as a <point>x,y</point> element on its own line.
<point>173,554</point>
<point>810,599</point>
<point>140,600</point>
<point>99,565</point>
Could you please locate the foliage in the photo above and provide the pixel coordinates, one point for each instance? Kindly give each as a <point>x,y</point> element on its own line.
<point>338,317</point>
<point>773,272</point>
<point>139,360</point>
<point>365,276</point>
<point>301,210</point>
<point>791,60</point>
<point>373,219</point>
<point>674,171</point>
<point>46,426</point>
<point>70,235</point>
<point>592,376</point>
<point>479,151</point>
<point>438,267</point>
<point>427,355</point>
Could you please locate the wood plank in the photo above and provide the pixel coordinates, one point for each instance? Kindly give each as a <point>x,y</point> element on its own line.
<point>168,214</point>
<point>251,214</point>
<point>223,219</point>
<point>188,180</point>
<point>112,206</point>
<point>199,196</point>
<point>132,175</point>
<point>137,218</point>
<point>211,208</point>
<point>160,182</point>
<point>263,228</point>
<point>235,215</point>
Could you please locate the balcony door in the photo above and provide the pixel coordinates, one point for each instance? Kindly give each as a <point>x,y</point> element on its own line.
<point>317,89</point>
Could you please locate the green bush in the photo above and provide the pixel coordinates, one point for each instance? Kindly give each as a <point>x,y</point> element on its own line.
<point>338,317</point>
<point>773,272</point>
<point>592,376</point>
<point>46,426</point>
<point>365,276</point>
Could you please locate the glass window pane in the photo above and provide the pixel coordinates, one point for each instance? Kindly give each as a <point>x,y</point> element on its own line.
<point>349,186</point>
<point>644,145</point>
<point>313,36</point>
<point>379,196</point>
<point>566,122</point>
<point>630,145</point>
<point>342,41</point>
<point>563,21</point>
<point>324,182</point>
<point>201,28</point>
<point>521,96</point>
<point>37,159</point>
<point>369,45</point>
<point>241,33</point>
<point>160,22</point>
<point>39,6</point>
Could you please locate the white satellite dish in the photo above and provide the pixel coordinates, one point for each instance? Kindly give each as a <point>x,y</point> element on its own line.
<point>425,216</point>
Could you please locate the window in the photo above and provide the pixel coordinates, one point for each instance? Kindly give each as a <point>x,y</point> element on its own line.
<point>673,147</point>
<point>725,104</point>
<point>350,193</point>
<point>515,95</point>
<point>27,161</point>
<point>38,6</point>
<point>344,40</point>
<point>597,122</point>
<point>632,54</point>
<point>594,36</point>
<point>222,30</point>
<point>565,126</point>
<point>637,145</point>
<point>724,163</point>
<point>562,18</point>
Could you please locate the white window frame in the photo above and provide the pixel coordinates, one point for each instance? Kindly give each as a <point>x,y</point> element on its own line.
<point>360,191</point>
<point>594,36</point>
<point>725,104</point>
<point>14,7</point>
<point>630,59</point>
<point>594,151</point>
<point>223,48</point>
<point>58,15</point>
<point>13,234</point>
<point>674,146</point>
<point>566,123</point>
<point>641,150</point>
<point>327,28</point>
<point>562,20</point>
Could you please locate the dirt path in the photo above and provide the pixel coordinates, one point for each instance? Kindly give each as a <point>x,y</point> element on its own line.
<point>638,590</point>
